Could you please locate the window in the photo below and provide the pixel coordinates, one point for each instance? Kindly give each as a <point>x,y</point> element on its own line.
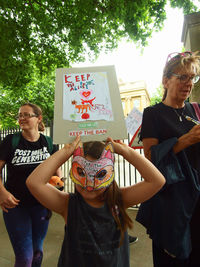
<point>136,103</point>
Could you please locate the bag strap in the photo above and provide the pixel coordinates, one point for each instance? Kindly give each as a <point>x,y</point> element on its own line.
<point>15,139</point>
<point>197,109</point>
<point>50,143</point>
<point>190,107</point>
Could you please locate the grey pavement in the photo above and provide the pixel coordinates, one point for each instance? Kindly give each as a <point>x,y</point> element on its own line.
<point>140,252</point>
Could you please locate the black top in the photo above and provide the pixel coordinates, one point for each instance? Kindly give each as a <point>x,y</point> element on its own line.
<point>21,161</point>
<point>162,122</point>
<point>92,237</point>
<point>172,215</point>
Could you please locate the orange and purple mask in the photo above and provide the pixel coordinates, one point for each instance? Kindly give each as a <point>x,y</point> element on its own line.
<point>93,174</point>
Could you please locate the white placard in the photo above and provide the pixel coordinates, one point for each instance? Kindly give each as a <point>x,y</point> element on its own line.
<point>133,121</point>
<point>88,103</point>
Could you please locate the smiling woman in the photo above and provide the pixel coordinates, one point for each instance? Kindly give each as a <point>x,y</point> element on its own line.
<point>26,112</point>
<point>22,157</point>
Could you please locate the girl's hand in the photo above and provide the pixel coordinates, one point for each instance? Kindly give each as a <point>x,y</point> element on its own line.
<point>72,146</point>
<point>8,201</point>
<point>118,145</point>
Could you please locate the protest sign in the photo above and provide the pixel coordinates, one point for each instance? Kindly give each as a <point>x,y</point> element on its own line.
<point>88,103</point>
<point>133,124</point>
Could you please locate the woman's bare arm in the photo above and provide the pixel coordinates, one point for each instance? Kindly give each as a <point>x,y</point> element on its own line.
<point>186,140</point>
<point>7,200</point>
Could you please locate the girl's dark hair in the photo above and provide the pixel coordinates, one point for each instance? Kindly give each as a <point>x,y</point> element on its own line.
<point>112,195</point>
<point>37,111</point>
<point>180,61</point>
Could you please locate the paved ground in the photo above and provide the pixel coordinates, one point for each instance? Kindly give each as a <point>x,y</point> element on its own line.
<point>140,252</point>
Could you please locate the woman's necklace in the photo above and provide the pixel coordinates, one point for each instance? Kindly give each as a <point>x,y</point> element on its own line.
<point>179,115</point>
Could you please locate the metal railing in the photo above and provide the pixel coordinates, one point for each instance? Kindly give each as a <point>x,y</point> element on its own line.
<point>125,173</point>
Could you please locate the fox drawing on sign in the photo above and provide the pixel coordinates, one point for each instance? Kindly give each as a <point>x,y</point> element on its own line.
<point>81,108</point>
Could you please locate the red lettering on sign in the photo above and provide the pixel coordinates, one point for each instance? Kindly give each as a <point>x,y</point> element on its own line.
<point>77,78</point>
<point>101,131</point>
<point>82,77</point>
<point>66,77</point>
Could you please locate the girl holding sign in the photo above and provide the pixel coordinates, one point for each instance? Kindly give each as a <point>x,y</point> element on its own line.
<point>95,216</point>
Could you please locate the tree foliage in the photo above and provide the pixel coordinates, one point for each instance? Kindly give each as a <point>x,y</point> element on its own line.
<point>57,32</point>
<point>157,96</point>
<point>39,91</point>
<point>38,36</point>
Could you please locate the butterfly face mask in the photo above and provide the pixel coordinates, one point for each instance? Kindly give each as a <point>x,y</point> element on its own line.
<point>93,174</point>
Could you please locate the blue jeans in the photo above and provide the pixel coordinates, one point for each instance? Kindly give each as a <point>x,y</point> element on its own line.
<point>27,228</point>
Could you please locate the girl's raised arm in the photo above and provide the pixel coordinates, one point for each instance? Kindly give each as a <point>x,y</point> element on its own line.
<point>153,179</point>
<point>37,181</point>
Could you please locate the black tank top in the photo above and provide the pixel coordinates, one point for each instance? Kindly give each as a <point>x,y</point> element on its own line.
<point>92,238</point>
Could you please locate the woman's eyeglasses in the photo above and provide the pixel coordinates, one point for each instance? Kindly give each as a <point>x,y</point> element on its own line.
<point>25,116</point>
<point>176,55</point>
<point>186,78</point>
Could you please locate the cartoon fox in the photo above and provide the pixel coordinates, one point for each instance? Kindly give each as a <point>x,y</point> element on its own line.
<point>81,108</point>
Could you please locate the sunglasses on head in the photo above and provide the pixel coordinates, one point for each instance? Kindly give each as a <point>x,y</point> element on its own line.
<point>176,55</point>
